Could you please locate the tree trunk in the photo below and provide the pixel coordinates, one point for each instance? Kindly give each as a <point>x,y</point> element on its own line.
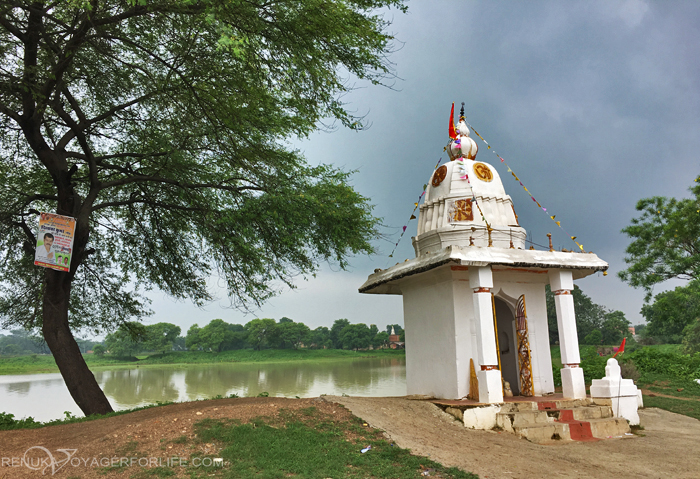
<point>79,379</point>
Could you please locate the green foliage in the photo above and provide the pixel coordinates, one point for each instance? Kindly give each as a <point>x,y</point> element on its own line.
<point>321,338</point>
<point>590,317</point>
<point>671,312</point>
<point>380,339</point>
<point>127,340</point>
<point>291,334</point>
<point>99,350</point>
<point>161,336</point>
<point>356,336</point>
<point>592,363</point>
<point>665,241</point>
<point>691,338</point>
<point>670,364</point>
<point>20,341</point>
<point>594,338</point>
<point>336,332</point>
<point>218,335</point>
<point>260,331</point>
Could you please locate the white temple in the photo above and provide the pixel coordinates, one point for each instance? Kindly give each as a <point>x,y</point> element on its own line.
<point>475,295</point>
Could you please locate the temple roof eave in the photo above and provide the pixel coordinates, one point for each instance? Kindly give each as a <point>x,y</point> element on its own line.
<point>581,264</point>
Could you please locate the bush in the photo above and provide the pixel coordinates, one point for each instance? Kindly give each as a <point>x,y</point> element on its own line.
<point>652,361</point>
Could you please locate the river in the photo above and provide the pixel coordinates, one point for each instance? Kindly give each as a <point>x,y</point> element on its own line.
<point>45,396</point>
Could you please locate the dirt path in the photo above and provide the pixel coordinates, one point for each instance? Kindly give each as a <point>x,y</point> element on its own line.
<point>671,447</point>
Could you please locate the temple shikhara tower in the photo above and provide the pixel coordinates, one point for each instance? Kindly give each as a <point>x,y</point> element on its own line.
<point>474,304</point>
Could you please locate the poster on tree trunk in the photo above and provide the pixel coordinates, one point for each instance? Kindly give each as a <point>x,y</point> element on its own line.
<point>54,245</point>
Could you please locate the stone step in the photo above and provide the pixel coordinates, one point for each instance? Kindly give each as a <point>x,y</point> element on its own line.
<point>609,427</point>
<point>509,421</point>
<point>544,433</point>
<point>582,413</point>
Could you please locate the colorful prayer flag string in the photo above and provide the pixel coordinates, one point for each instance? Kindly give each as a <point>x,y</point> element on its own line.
<point>558,223</point>
<point>465,176</point>
<point>413,213</point>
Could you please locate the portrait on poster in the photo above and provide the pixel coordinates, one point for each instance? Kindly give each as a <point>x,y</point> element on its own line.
<point>54,245</point>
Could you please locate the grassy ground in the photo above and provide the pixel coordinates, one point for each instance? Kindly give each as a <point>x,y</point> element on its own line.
<point>307,444</point>
<point>45,363</point>
<point>688,408</point>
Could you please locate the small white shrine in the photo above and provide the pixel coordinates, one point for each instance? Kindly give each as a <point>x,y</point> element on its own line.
<point>474,304</point>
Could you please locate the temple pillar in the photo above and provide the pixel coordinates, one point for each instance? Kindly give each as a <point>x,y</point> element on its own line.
<point>573,384</point>
<point>490,383</point>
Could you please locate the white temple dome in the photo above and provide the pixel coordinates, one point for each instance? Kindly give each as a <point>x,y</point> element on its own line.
<point>465,203</point>
<point>462,146</point>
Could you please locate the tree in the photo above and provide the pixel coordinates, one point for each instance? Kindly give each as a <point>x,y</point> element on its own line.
<point>192,341</point>
<point>161,336</point>
<point>615,327</point>
<point>691,337</point>
<point>666,241</point>
<point>336,332</point>
<point>671,312</point>
<point>215,336</point>
<point>595,324</point>
<point>161,127</point>
<point>590,316</point>
<point>292,334</point>
<point>260,331</point>
<point>356,336</point>
<point>127,340</point>
<point>98,350</point>
<point>380,340</point>
<point>321,338</point>
<point>594,338</point>
<point>236,337</point>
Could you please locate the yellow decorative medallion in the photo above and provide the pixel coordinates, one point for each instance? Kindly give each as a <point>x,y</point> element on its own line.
<point>482,171</point>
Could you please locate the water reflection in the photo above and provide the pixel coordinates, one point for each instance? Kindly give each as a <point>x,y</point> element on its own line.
<point>126,388</point>
<point>132,387</point>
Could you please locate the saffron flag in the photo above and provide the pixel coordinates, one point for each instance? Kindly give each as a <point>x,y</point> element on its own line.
<point>621,349</point>
<point>453,133</point>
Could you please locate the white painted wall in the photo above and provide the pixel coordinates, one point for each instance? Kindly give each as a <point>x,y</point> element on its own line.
<point>429,322</point>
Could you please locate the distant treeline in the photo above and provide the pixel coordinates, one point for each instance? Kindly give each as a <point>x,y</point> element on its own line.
<point>21,341</point>
<point>133,338</point>
<point>217,336</point>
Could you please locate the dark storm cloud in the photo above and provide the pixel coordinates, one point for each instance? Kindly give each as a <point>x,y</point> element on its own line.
<point>593,104</point>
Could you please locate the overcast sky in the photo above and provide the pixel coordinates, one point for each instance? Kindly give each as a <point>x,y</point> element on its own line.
<point>594,105</point>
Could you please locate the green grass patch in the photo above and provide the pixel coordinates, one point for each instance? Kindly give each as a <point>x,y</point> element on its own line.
<point>8,421</point>
<point>664,384</point>
<point>305,444</point>
<point>46,364</point>
<point>679,406</point>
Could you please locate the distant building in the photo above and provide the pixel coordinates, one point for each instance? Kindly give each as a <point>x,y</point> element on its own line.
<point>394,340</point>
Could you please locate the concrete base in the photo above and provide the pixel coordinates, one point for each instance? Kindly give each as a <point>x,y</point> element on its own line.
<point>624,395</point>
<point>490,386</point>
<point>572,383</point>
<point>480,417</point>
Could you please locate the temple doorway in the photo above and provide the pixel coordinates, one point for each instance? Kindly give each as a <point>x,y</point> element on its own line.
<point>507,338</point>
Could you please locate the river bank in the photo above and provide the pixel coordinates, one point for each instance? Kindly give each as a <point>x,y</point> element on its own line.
<point>33,364</point>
